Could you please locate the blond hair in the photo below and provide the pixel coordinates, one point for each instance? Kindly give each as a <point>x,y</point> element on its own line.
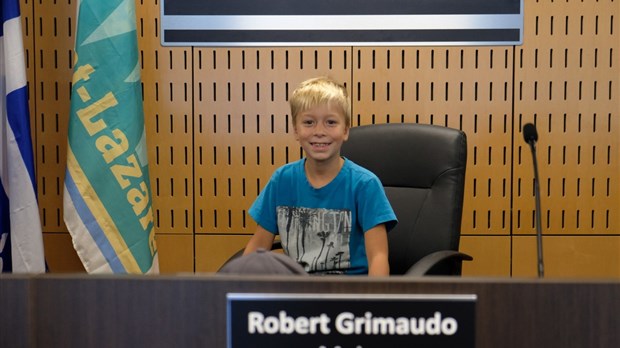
<point>320,91</point>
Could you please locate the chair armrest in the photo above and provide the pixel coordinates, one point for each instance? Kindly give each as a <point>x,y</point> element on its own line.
<point>425,264</point>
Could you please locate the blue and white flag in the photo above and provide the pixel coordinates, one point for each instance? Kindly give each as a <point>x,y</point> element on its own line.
<point>107,199</point>
<point>21,239</point>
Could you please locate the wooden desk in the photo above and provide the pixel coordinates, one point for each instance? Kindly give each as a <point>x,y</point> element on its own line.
<point>190,310</point>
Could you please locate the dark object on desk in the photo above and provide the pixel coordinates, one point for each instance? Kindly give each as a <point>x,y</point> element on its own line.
<point>422,168</point>
<point>263,262</point>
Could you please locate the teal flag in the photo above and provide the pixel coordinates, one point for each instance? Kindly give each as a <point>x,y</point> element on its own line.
<point>107,199</point>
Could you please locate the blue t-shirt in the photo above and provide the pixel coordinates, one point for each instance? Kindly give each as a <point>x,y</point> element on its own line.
<point>323,229</point>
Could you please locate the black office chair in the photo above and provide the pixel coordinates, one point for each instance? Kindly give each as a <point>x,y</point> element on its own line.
<point>422,168</point>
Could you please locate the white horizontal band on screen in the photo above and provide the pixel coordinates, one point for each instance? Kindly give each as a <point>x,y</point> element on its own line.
<point>338,22</point>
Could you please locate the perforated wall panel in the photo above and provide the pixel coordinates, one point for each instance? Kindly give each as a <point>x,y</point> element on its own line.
<point>218,125</point>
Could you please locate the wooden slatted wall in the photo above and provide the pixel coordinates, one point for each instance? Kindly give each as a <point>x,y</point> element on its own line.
<point>218,124</point>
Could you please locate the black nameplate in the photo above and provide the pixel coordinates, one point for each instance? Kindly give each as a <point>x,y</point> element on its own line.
<point>353,320</point>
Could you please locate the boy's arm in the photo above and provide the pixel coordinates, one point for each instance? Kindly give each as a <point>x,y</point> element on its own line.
<point>376,243</point>
<point>261,239</point>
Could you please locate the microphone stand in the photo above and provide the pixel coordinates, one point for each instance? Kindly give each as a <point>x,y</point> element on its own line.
<point>538,213</point>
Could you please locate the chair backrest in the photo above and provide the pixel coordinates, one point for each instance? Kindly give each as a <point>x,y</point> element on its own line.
<point>422,168</point>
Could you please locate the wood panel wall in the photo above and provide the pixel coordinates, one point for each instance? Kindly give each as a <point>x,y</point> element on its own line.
<point>218,124</point>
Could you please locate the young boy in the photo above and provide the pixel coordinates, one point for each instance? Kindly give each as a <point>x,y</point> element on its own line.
<point>332,215</point>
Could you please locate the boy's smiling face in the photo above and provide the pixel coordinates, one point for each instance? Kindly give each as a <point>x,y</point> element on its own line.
<point>321,131</point>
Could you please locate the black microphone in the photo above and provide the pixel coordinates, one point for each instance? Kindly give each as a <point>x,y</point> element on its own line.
<point>529,133</point>
<point>531,136</point>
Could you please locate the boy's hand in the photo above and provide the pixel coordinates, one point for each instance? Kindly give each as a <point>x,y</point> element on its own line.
<point>376,243</point>
<point>261,239</point>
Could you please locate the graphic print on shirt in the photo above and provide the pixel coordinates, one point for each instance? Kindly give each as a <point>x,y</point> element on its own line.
<point>317,238</point>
